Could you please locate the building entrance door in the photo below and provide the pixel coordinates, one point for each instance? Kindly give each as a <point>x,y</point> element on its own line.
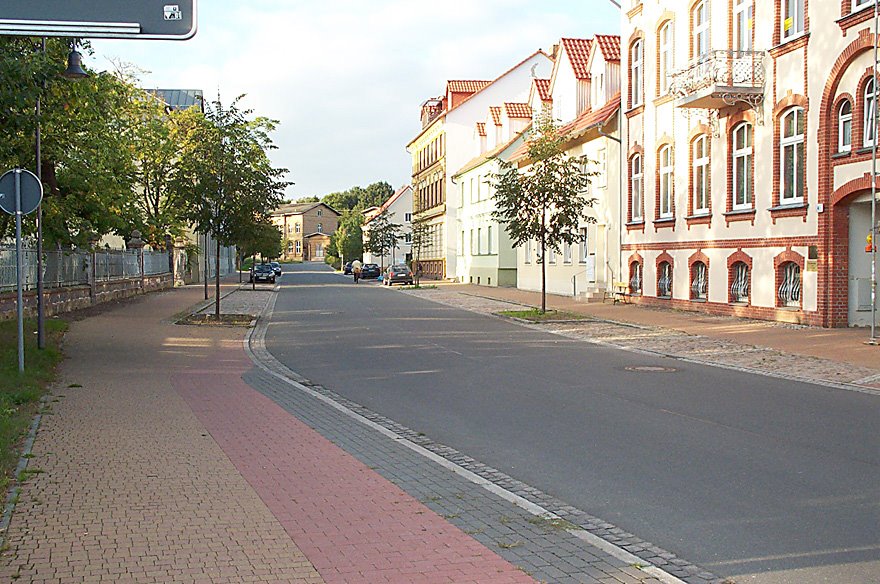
<point>859,279</point>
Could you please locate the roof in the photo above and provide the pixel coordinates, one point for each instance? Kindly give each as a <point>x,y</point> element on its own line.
<point>496,114</point>
<point>178,99</point>
<point>465,86</point>
<point>588,119</point>
<point>317,233</point>
<point>299,208</point>
<point>578,51</point>
<point>518,110</point>
<point>376,211</point>
<point>481,128</point>
<point>543,87</point>
<point>486,156</point>
<point>609,45</point>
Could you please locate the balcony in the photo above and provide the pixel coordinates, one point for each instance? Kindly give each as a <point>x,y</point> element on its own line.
<point>721,79</point>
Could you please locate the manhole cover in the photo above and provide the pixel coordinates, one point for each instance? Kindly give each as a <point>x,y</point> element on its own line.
<point>650,369</point>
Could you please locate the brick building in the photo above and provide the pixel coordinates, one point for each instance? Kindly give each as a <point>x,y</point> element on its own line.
<point>305,230</point>
<point>747,137</point>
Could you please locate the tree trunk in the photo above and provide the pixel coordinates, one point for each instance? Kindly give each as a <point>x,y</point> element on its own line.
<point>217,282</point>
<point>253,272</point>
<point>543,266</point>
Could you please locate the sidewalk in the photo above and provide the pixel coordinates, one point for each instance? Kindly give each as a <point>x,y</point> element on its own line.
<point>158,462</point>
<point>829,355</point>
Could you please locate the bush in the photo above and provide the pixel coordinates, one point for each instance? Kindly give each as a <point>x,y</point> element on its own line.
<point>333,261</point>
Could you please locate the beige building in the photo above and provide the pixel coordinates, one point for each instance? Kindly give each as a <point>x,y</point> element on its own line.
<point>305,230</point>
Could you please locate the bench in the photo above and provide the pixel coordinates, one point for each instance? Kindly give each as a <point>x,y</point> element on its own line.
<point>619,293</point>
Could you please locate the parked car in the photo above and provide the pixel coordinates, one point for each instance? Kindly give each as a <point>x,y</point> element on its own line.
<point>370,271</point>
<point>346,269</point>
<point>277,267</point>
<point>262,273</point>
<point>398,274</point>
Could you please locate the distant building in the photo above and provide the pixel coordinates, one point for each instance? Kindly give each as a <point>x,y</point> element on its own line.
<point>305,230</point>
<point>180,99</point>
<point>400,209</point>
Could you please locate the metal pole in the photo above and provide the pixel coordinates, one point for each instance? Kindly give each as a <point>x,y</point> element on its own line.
<point>206,265</point>
<point>873,339</point>
<point>19,270</point>
<point>41,328</point>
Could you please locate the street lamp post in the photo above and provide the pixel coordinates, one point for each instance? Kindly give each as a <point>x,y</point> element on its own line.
<point>873,339</point>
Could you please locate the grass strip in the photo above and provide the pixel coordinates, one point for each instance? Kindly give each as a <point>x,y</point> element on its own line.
<point>535,315</point>
<point>20,393</point>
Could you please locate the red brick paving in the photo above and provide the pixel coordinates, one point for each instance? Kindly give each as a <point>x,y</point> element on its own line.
<point>352,524</point>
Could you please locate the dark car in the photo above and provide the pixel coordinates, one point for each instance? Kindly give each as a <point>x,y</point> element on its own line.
<point>263,273</point>
<point>370,271</point>
<point>276,267</point>
<point>346,269</point>
<point>398,274</point>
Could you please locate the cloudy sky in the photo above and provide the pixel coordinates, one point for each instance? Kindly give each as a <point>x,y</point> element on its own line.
<point>346,78</point>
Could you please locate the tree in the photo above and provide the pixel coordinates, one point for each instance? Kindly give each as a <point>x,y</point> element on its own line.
<point>224,177</point>
<point>545,201</point>
<point>347,240</point>
<point>382,237</point>
<point>419,235</point>
<point>311,199</point>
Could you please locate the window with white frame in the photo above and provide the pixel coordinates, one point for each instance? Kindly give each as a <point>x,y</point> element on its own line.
<point>584,250</point>
<point>527,252</point>
<point>320,228</point>
<point>298,247</point>
<point>856,4</point>
<point>479,189</point>
<point>479,241</point>
<point>320,212</point>
<point>473,191</point>
<point>636,61</point>
<point>742,25</point>
<point>461,249</point>
<point>666,184</point>
<point>700,27</point>
<point>473,249</point>
<point>790,288</point>
<point>664,280</point>
<point>792,18</point>
<point>602,178</point>
<point>699,281</point>
<point>551,256</point>
<point>407,238</point>
<point>739,283</point>
<point>489,240</point>
<point>844,126</point>
<point>566,253</point>
<point>870,122</point>
<point>635,278</point>
<point>637,179</point>
<point>407,217</point>
<point>793,157</point>
<point>700,176</point>
<point>665,54</point>
<point>297,228</point>
<point>743,166</point>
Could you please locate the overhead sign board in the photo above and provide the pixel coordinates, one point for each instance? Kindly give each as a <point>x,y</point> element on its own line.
<point>114,19</point>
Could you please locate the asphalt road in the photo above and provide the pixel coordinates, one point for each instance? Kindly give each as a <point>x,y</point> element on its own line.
<point>761,479</point>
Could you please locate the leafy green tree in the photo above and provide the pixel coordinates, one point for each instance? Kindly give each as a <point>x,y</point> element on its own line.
<point>312,199</point>
<point>346,243</point>
<point>382,236</point>
<point>224,177</point>
<point>544,202</point>
<point>261,238</point>
<point>419,236</point>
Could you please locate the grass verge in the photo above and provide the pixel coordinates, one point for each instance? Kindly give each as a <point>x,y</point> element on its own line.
<point>535,315</point>
<point>20,393</point>
<point>426,287</point>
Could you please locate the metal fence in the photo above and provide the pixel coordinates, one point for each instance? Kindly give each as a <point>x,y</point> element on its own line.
<point>155,262</point>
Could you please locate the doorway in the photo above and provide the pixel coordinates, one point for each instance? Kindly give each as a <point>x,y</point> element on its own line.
<point>859,276</point>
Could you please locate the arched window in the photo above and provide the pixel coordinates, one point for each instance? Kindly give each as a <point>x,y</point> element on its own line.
<point>666,184</point>
<point>739,282</point>
<point>844,126</point>
<point>664,42</point>
<point>635,278</point>
<point>700,30</point>
<point>789,293</point>
<point>870,113</point>
<point>636,68</point>
<point>664,280</point>
<point>700,175</point>
<point>743,166</point>
<point>699,281</point>
<point>792,155</point>
<point>637,179</point>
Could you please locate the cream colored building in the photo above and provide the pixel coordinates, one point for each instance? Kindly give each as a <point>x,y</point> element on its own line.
<point>748,136</point>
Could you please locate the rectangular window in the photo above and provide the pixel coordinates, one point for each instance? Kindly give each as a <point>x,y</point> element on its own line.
<point>566,253</point>
<point>297,228</point>
<point>473,191</point>
<point>407,217</point>
<point>743,167</point>
<point>479,241</point>
<point>551,256</point>
<point>407,238</point>
<point>479,190</point>
<point>527,252</point>
<point>473,245</point>
<point>665,57</point>
<point>489,239</point>
<point>792,18</point>
<point>461,250</point>
<point>742,24</point>
<point>636,73</point>
<point>666,185</point>
<point>602,179</point>
<point>701,30</point>
<point>701,176</point>
<point>583,246</point>
<point>637,178</point>
<point>298,247</point>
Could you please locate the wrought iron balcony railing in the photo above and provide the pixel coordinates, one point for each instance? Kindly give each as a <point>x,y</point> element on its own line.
<point>721,78</point>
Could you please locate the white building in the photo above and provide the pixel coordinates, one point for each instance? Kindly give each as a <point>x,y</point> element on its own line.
<point>400,208</point>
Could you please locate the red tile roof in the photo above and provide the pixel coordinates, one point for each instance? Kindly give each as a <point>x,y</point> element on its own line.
<point>578,51</point>
<point>481,128</point>
<point>609,45</point>
<point>465,85</point>
<point>496,114</point>
<point>543,87</point>
<point>517,110</point>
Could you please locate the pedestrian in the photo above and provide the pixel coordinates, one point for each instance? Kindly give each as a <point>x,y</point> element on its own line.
<point>356,270</point>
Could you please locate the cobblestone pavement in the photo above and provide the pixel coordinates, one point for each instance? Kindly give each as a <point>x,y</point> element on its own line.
<point>244,300</point>
<point>546,538</point>
<point>696,348</point>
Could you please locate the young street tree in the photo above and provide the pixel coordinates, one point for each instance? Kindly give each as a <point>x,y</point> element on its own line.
<point>382,236</point>
<point>224,178</point>
<point>543,202</point>
<point>419,239</point>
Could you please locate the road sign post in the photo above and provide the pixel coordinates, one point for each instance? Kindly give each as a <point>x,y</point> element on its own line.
<point>20,194</point>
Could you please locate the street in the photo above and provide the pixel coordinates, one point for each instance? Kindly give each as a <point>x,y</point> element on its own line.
<point>760,479</point>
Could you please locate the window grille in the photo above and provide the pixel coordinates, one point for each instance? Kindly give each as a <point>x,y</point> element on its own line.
<point>664,283</point>
<point>635,281</point>
<point>739,289</point>
<point>700,281</point>
<point>790,289</point>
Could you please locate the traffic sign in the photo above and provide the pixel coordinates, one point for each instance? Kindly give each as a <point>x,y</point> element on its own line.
<point>143,19</point>
<point>31,191</point>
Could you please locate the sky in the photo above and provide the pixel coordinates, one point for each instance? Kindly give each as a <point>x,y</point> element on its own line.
<point>345,78</point>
